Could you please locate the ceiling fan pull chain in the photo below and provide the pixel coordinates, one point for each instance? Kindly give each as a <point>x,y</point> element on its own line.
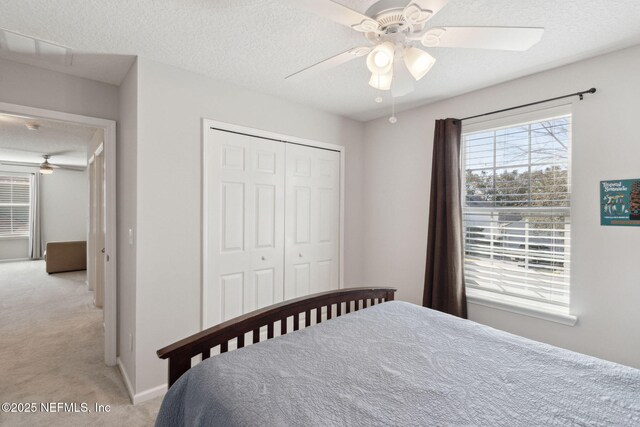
<point>393,119</point>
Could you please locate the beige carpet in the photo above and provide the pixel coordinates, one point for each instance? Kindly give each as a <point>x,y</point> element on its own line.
<point>51,350</point>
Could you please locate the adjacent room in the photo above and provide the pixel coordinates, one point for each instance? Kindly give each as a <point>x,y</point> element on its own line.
<point>320,212</point>
<point>51,244</point>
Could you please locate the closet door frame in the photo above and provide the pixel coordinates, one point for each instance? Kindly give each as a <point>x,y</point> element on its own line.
<point>207,125</point>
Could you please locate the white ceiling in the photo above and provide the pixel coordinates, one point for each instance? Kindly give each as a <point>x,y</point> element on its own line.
<point>256,43</point>
<point>66,143</point>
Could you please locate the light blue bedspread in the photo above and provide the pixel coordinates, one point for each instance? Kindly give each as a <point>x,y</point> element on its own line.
<point>400,364</point>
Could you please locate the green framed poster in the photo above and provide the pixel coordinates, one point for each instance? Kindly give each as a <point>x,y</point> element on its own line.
<point>620,202</point>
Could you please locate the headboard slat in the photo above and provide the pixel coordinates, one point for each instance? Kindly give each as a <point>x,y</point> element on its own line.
<point>201,343</point>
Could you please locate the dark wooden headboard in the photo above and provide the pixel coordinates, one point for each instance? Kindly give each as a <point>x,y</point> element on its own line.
<point>181,352</point>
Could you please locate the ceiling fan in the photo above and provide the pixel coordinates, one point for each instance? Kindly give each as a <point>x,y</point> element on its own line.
<point>393,28</point>
<point>45,167</point>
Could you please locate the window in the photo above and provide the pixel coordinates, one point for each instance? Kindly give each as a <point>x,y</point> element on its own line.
<point>516,210</point>
<point>14,205</point>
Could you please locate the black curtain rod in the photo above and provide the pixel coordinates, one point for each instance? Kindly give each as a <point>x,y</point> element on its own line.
<point>580,94</point>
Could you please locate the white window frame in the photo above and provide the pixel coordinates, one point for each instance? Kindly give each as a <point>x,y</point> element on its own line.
<point>497,301</point>
<point>19,175</point>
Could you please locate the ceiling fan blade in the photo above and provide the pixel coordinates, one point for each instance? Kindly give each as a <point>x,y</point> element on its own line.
<point>420,11</point>
<point>501,38</point>
<point>338,13</point>
<point>59,153</point>
<point>70,168</point>
<point>334,61</point>
<point>37,165</point>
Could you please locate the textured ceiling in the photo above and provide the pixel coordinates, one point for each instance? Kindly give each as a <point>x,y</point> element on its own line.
<point>256,43</point>
<point>65,143</point>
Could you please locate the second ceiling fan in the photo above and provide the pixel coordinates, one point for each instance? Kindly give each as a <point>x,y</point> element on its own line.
<point>45,167</point>
<point>393,28</point>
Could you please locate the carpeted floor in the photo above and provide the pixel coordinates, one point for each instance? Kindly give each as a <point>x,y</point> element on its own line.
<point>51,350</point>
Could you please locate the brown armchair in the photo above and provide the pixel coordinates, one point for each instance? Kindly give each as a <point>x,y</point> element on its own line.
<point>65,256</point>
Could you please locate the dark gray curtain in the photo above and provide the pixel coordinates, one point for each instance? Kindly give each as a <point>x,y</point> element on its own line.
<point>444,277</point>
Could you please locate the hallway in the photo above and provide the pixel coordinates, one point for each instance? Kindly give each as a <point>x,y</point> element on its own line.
<point>51,350</point>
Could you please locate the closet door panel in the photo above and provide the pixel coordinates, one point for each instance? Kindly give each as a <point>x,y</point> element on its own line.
<point>244,224</point>
<point>271,223</point>
<point>231,289</point>
<point>325,280</point>
<point>232,221</point>
<point>265,287</point>
<point>265,216</point>
<point>302,215</point>
<point>268,224</point>
<point>312,213</point>
<point>301,279</point>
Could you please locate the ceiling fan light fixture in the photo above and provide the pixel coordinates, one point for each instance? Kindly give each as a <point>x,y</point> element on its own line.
<point>403,82</point>
<point>380,59</point>
<point>381,81</point>
<point>46,169</point>
<point>418,62</point>
<point>392,27</point>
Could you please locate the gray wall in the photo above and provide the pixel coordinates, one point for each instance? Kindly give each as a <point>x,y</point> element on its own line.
<point>14,248</point>
<point>171,105</point>
<point>64,205</point>
<point>127,184</point>
<point>604,279</point>
<point>36,87</point>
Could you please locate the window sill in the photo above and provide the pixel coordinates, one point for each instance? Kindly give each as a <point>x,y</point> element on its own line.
<point>13,237</point>
<point>552,316</point>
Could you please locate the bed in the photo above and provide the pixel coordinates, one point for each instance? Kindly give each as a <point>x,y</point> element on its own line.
<point>387,362</point>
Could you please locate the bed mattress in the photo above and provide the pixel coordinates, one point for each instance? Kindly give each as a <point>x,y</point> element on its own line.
<point>400,364</point>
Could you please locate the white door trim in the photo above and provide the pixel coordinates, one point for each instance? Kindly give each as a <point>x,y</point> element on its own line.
<point>91,252</point>
<point>109,127</point>
<point>230,127</point>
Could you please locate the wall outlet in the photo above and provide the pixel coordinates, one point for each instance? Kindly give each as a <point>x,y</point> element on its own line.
<point>131,236</point>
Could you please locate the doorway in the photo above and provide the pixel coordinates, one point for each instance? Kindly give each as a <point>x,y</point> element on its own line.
<point>107,197</point>
<point>96,264</point>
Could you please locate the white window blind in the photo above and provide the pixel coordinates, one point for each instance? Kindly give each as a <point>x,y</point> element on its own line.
<point>14,205</point>
<point>516,212</point>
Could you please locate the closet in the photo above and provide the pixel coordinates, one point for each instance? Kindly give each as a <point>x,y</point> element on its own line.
<point>271,221</point>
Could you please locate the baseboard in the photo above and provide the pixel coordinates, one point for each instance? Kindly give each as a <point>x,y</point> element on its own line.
<point>148,394</point>
<point>125,377</point>
<point>17,259</point>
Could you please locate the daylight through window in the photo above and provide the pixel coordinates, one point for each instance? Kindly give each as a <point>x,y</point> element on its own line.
<point>14,205</point>
<point>516,212</point>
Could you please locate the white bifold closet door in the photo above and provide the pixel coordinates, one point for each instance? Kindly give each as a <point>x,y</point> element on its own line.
<point>312,221</point>
<point>271,223</point>
<point>244,225</point>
